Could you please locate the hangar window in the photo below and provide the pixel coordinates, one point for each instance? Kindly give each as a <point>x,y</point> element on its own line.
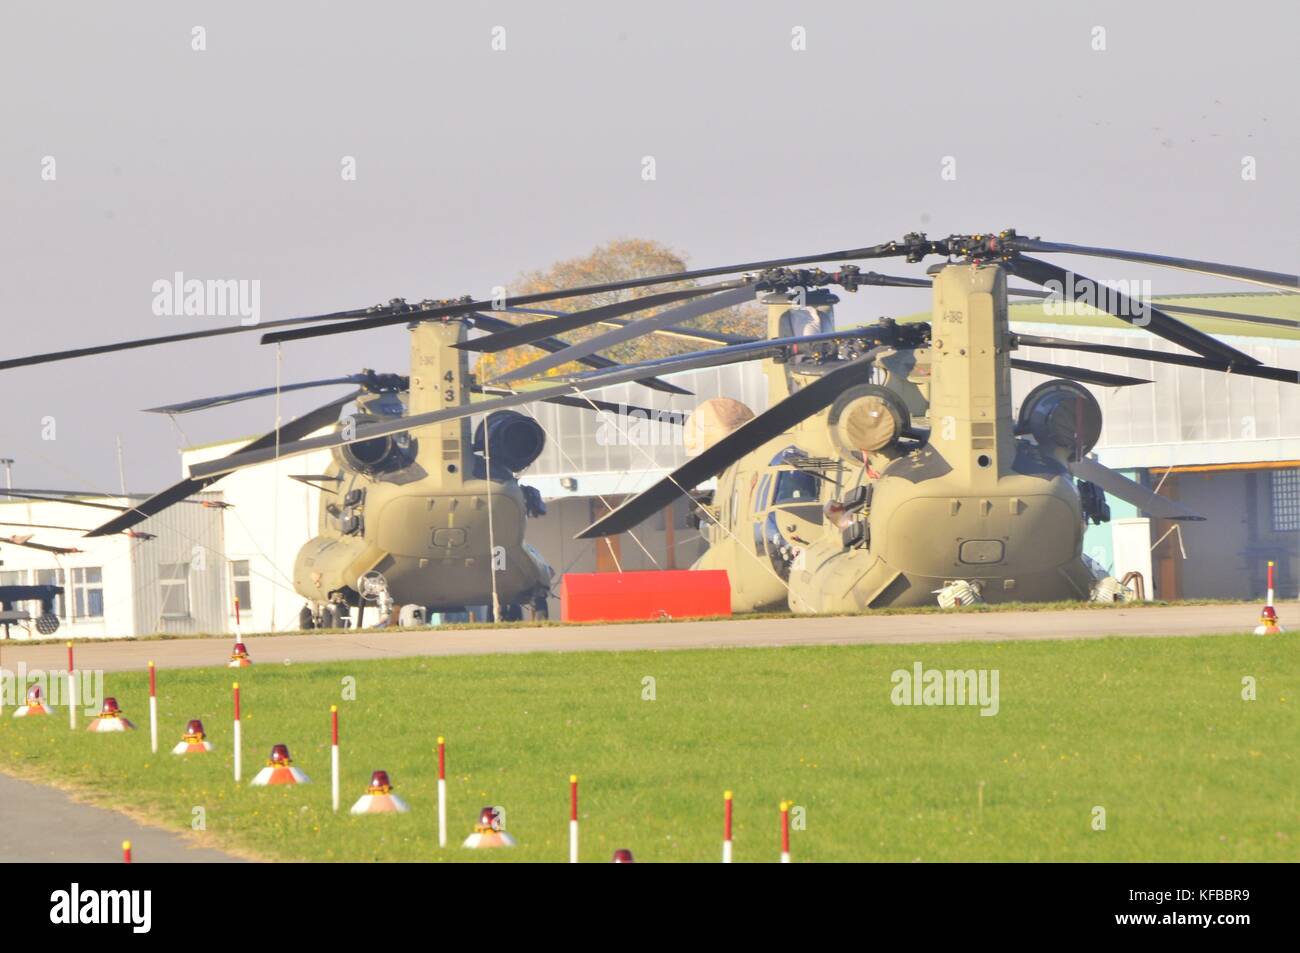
<point>241,583</point>
<point>13,577</point>
<point>174,583</point>
<point>88,592</point>
<point>53,577</point>
<point>1286,500</point>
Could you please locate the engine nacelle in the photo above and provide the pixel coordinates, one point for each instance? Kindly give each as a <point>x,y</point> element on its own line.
<point>512,439</point>
<point>866,419</point>
<point>1061,416</point>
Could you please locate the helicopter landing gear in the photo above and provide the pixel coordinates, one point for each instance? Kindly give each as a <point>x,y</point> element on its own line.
<point>541,608</point>
<point>373,587</point>
<point>512,612</point>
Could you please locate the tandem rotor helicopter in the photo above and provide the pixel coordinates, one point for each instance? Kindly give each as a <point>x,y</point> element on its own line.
<point>887,468</point>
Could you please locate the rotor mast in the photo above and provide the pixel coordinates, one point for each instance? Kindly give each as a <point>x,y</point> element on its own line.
<point>970,398</point>
<point>439,380</point>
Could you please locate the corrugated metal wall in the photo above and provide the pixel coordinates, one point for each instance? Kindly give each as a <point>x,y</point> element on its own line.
<point>1175,419</point>
<point>189,535</point>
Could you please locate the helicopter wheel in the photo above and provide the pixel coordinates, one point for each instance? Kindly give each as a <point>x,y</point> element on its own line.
<point>305,619</point>
<point>541,608</point>
<point>329,617</point>
<point>512,612</point>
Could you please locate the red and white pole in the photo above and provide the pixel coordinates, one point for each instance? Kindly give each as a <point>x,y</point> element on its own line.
<point>573,818</point>
<point>153,708</point>
<point>334,752</point>
<point>126,852</point>
<point>785,832</point>
<point>238,631</point>
<point>1270,584</point>
<point>442,791</point>
<point>237,739</point>
<point>72,692</point>
<point>726,827</point>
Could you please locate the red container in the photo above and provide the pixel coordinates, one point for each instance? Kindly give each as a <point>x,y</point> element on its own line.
<point>655,594</point>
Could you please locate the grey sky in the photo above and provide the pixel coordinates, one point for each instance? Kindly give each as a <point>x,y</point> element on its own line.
<point>474,164</point>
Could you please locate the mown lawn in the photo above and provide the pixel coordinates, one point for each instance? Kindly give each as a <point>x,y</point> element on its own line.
<point>1155,731</point>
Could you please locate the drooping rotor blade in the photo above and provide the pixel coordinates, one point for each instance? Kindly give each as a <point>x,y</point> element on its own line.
<point>182,336</point>
<point>580,384</point>
<point>25,541</point>
<point>1081,374</point>
<point>203,403</point>
<point>555,344</point>
<point>751,435</point>
<point>1273,279</point>
<point>634,329</point>
<point>1118,485</point>
<point>1142,314</point>
<point>885,250</point>
<point>295,429</point>
<point>547,327</point>
<point>1161,357</point>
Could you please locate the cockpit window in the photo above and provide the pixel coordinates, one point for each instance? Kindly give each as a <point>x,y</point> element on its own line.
<point>793,486</point>
<point>796,486</point>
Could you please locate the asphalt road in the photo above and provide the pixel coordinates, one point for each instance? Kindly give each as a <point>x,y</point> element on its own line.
<point>845,630</point>
<point>41,824</point>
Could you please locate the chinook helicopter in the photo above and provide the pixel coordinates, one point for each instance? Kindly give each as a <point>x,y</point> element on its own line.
<point>431,516</point>
<point>887,466</point>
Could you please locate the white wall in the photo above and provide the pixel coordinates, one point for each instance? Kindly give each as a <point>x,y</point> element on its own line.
<point>271,518</point>
<point>112,554</point>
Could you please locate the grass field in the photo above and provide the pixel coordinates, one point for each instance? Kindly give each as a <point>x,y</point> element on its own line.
<point>1155,731</point>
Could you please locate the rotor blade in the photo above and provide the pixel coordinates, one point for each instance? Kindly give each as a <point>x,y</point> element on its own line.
<point>546,327</point>
<point>74,529</point>
<point>1180,309</point>
<point>1141,314</point>
<point>1161,357</point>
<point>621,375</point>
<point>1081,374</point>
<point>581,402</point>
<point>65,496</point>
<point>886,250</point>
<point>24,542</point>
<point>203,403</point>
<point>647,413</point>
<point>633,329</point>
<point>592,380</point>
<point>1120,486</point>
<point>183,336</point>
<point>293,430</point>
<point>751,435</point>
<point>690,334</point>
<point>1273,279</point>
<point>595,360</point>
<point>55,499</point>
